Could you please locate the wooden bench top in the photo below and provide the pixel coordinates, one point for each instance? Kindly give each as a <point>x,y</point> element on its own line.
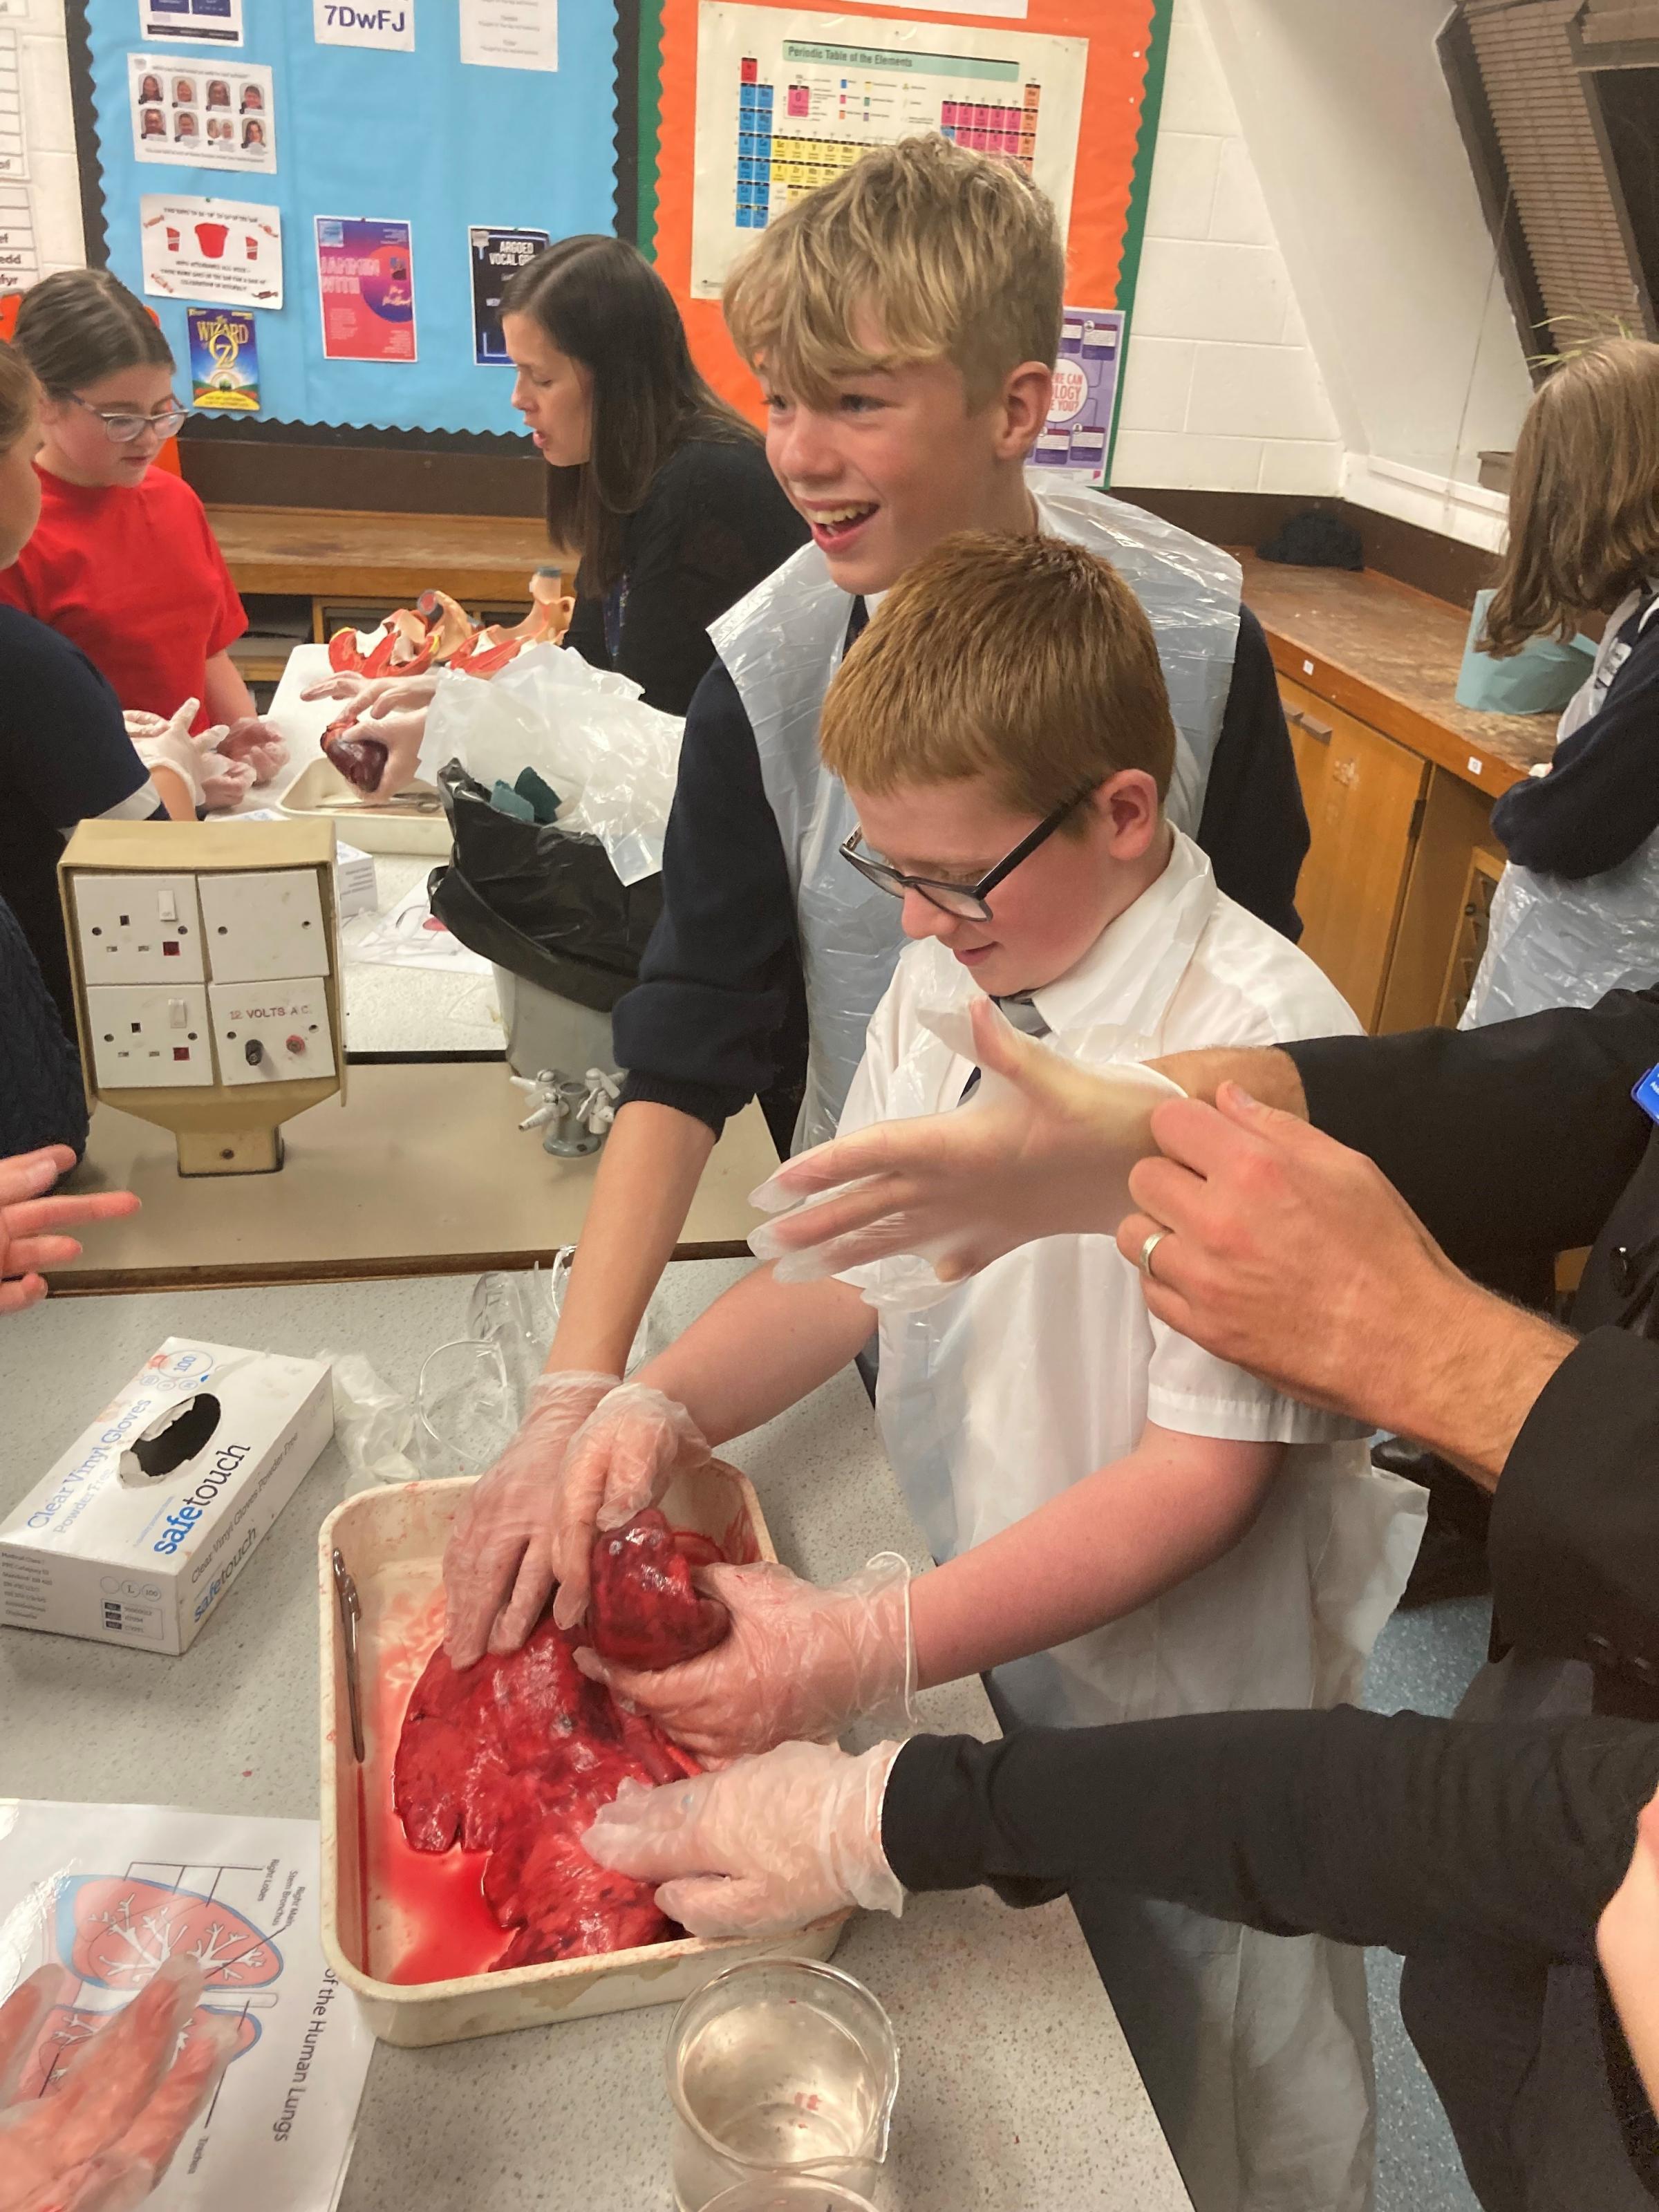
<point>312,551</point>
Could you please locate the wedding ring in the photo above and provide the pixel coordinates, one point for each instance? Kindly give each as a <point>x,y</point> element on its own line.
<point>1144,1263</point>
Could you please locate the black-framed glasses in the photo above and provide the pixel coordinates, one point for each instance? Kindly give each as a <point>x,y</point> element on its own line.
<point>126,427</point>
<point>969,900</point>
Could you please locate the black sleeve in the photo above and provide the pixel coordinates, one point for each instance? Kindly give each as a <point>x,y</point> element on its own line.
<point>1254,826</point>
<point>1506,1141</point>
<point>1370,1828</point>
<point>1574,1541</point>
<point>714,524</point>
<point>700,1030</point>
<point>1601,798</point>
<point>63,746</point>
<point>586,635</point>
<point>42,1101</point>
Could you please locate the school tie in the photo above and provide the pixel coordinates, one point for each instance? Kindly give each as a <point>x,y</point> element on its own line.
<point>1021,1010</point>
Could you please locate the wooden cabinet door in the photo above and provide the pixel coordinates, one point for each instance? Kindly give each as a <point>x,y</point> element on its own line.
<point>1361,790</point>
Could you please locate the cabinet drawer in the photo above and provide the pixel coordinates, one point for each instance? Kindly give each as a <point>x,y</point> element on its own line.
<point>1361,790</point>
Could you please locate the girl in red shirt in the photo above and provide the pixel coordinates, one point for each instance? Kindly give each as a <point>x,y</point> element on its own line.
<point>123,563</point>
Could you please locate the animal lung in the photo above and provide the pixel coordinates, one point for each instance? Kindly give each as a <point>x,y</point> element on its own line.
<point>646,1611</point>
<point>513,1756</point>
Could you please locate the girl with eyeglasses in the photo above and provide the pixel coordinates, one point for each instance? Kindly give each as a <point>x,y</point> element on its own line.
<point>123,562</point>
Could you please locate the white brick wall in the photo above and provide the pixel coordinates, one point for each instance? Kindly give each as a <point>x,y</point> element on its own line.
<point>48,131</point>
<point>1221,388</point>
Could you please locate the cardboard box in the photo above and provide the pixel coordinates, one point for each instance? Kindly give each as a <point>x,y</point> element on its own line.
<point>143,1525</point>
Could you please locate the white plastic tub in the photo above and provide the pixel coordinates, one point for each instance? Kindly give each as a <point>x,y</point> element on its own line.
<point>391,1540</point>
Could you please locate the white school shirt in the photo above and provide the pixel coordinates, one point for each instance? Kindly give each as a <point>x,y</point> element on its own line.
<point>1048,1364</point>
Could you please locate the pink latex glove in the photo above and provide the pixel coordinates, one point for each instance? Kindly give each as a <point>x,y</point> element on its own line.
<point>765,1847</point>
<point>800,1661</point>
<point>258,744</point>
<point>625,1456</point>
<point>102,2136</point>
<point>498,1562</point>
<point>391,709</point>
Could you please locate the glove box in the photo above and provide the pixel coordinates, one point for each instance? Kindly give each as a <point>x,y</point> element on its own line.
<point>392,1542</point>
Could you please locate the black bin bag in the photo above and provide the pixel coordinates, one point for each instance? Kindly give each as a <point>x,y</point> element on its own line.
<point>540,901</point>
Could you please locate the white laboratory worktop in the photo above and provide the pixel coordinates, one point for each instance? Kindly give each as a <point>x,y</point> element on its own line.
<point>1016,2092</point>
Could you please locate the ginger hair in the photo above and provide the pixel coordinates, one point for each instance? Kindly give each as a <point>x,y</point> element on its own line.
<point>1027,660</point>
<point>1585,500</point>
<point>952,255</point>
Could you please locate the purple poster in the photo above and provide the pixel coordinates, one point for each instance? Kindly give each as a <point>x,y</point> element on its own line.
<point>1079,432</point>
<point>366,276</point>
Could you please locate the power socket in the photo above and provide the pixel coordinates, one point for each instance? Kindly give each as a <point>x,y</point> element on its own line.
<point>272,1032</point>
<point>138,929</point>
<point>262,928</point>
<point>146,1037</point>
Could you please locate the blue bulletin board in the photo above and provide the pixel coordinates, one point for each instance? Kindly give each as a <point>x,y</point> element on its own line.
<point>417,138</point>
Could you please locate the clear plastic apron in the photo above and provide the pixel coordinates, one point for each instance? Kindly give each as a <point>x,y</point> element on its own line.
<point>782,644</point>
<point>996,1400</point>
<point>1561,941</point>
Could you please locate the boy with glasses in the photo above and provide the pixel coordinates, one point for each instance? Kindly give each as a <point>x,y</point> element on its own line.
<point>1126,1527</point>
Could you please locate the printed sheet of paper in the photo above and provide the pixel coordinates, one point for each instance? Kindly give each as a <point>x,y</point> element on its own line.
<point>511,33</point>
<point>14,151</point>
<point>224,361</point>
<point>109,1892</point>
<point>227,253</point>
<point>195,22</point>
<point>787,99</point>
<point>20,257</point>
<point>341,23</point>
<point>220,117</point>
<point>496,255</point>
<point>366,278</point>
<point>1078,434</point>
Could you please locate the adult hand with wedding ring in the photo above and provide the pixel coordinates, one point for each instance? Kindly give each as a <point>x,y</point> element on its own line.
<point>1143,1260</point>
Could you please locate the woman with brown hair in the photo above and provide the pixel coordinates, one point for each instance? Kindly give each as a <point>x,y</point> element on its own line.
<point>660,488</point>
<point>1576,914</point>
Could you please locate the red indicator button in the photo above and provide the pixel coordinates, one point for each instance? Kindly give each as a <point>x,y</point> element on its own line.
<point>181,1052</point>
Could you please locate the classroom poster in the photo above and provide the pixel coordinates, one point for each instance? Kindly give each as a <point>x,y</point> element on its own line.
<point>222,117</point>
<point>1079,432</point>
<point>521,34</point>
<point>20,258</point>
<point>366,278</point>
<point>109,1891</point>
<point>14,153</point>
<point>224,361</point>
<point>226,253</point>
<point>197,22</point>
<point>338,23</point>
<point>496,255</point>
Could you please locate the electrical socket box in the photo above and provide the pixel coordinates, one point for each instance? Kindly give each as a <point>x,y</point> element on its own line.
<point>272,1032</point>
<point>149,1035</point>
<point>263,927</point>
<point>255,901</point>
<point>138,929</point>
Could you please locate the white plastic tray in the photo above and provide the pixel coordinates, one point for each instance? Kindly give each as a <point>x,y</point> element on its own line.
<point>320,792</point>
<point>393,1540</point>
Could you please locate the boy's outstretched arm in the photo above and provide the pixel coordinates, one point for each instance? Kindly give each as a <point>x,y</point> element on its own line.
<point>806,1662</point>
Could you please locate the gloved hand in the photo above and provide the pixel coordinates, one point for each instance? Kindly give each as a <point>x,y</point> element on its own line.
<point>625,1456</point>
<point>102,2138</point>
<point>210,779</point>
<point>766,1846</point>
<point>258,744</point>
<point>391,709</point>
<point>800,1661</point>
<point>1044,1149</point>
<point>498,1562</point>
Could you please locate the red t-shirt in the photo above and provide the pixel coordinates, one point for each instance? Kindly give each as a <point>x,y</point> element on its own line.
<point>133,575</point>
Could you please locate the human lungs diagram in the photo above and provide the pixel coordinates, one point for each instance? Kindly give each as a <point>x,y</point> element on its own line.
<point>114,1930</point>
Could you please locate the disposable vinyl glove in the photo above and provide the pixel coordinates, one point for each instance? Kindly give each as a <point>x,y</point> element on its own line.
<point>209,776</point>
<point>627,1452</point>
<point>800,1661</point>
<point>101,2138</point>
<point>1042,1149</point>
<point>498,1562</point>
<point>767,1845</point>
<point>389,710</point>
<point>256,744</point>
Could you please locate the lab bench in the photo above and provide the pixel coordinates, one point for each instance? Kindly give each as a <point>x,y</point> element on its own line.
<point>1016,2092</point>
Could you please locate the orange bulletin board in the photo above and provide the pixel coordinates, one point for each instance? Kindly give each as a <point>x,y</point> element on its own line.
<point>1124,65</point>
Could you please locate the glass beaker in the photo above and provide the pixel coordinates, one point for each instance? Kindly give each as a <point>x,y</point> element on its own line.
<point>778,2070</point>
<point>800,2195</point>
<point>466,1410</point>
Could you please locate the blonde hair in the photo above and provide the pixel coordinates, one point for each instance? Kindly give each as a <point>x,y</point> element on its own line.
<point>1585,500</point>
<point>953,256</point>
<point>19,393</point>
<point>1024,659</point>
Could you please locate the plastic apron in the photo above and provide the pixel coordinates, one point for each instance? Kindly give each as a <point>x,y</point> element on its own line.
<point>1256,2048</point>
<point>1562,941</point>
<point>782,644</point>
